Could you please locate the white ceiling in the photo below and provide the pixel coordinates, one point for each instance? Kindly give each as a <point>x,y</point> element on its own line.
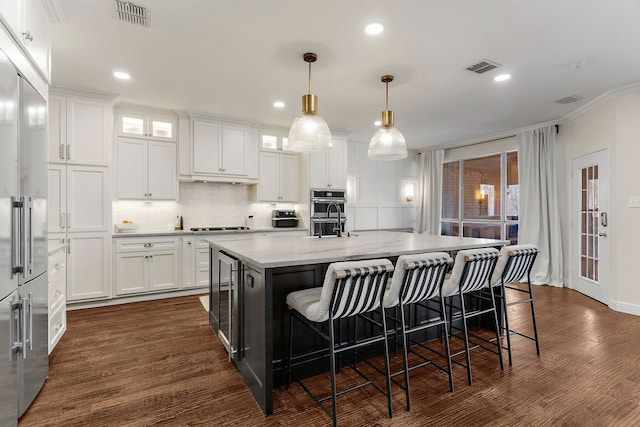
<point>235,57</point>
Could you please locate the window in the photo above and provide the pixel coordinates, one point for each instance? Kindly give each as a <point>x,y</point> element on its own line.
<point>480,197</point>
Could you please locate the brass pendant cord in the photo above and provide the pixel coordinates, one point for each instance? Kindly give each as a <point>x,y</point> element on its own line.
<point>309,78</point>
<point>387,97</point>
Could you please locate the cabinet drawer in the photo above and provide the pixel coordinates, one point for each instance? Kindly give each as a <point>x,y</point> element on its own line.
<point>201,243</point>
<point>57,292</point>
<point>202,277</point>
<point>150,244</point>
<point>57,264</point>
<point>57,326</point>
<point>202,258</point>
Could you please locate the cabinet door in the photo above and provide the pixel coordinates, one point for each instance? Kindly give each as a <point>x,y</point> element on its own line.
<point>289,177</point>
<point>88,202</point>
<point>337,162</point>
<point>160,128</point>
<point>132,271</point>
<point>318,170</point>
<point>57,198</point>
<point>131,169</point>
<point>187,276</point>
<point>164,267</point>
<point>234,150</point>
<point>36,35</point>
<point>163,178</point>
<point>88,266</point>
<point>269,176</point>
<point>88,131</point>
<point>12,14</point>
<point>207,147</point>
<point>57,129</point>
<point>132,125</point>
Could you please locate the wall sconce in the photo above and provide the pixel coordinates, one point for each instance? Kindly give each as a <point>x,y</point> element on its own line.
<point>408,190</point>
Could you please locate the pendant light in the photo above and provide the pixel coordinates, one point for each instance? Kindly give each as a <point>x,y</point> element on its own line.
<point>309,131</point>
<point>388,142</point>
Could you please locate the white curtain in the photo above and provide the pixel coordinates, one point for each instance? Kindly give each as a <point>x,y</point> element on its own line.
<point>539,221</point>
<point>430,191</point>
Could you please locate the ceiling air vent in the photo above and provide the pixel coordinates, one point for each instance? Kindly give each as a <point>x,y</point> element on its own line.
<point>569,99</point>
<point>483,66</point>
<point>131,13</point>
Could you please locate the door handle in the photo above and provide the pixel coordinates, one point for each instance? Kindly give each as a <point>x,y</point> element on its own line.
<point>61,152</point>
<point>30,320</point>
<point>14,324</point>
<point>23,234</point>
<point>602,234</point>
<point>31,238</point>
<point>23,332</point>
<point>16,228</point>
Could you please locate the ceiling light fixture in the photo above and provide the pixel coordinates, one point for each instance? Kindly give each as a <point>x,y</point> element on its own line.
<point>377,123</point>
<point>309,131</point>
<point>502,77</point>
<point>374,29</point>
<point>121,75</point>
<point>388,142</point>
<point>278,104</point>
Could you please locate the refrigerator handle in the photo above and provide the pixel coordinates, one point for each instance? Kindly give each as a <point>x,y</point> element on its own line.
<point>30,320</point>
<point>27,237</point>
<point>23,333</point>
<point>13,328</point>
<point>31,238</point>
<point>17,264</point>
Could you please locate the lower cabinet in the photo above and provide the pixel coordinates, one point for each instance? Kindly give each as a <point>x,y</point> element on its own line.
<point>57,296</point>
<point>202,262</point>
<point>188,254</point>
<point>88,266</point>
<point>146,265</point>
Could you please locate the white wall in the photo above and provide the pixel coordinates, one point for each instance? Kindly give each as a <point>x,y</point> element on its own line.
<point>377,190</point>
<point>614,123</point>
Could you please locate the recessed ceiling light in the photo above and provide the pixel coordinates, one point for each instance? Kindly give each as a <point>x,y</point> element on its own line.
<point>377,123</point>
<point>278,104</point>
<point>502,77</point>
<point>373,29</point>
<point>121,75</point>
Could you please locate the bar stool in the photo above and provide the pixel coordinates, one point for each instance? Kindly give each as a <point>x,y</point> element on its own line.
<point>515,263</point>
<point>417,279</point>
<point>349,289</point>
<point>471,272</point>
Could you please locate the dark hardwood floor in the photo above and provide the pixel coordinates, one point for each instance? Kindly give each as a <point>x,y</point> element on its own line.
<point>159,363</point>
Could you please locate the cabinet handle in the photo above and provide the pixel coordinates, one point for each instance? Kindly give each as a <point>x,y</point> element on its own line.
<point>58,266</point>
<point>27,36</point>
<point>62,216</point>
<point>189,243</point>
<point>68,220</point>
<point>58,293</point>
<point>58,326</point>
<point>148,245</point>
<point>61,151</point>
<point>150,194</point>
<point>68,151</point>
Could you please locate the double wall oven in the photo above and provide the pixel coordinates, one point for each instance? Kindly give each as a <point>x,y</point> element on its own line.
<point>327,211</point>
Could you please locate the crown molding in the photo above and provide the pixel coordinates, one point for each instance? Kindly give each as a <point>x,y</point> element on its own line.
<point>54,11</point>
<point>607,96</point>
<point>83,92</point>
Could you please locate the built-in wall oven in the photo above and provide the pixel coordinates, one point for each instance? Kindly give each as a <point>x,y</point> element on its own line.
<point>327,211</point>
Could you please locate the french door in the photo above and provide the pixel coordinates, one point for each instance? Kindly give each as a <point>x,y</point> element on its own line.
<point>590,260</point>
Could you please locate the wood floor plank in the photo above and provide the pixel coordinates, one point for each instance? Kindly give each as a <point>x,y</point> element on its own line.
<point>159,363</point>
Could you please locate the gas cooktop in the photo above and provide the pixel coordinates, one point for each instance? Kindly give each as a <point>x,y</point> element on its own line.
<point>217,228</point>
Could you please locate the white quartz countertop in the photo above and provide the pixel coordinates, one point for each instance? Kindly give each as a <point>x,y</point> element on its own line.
<point>153,233</point>
<point>283,251</point>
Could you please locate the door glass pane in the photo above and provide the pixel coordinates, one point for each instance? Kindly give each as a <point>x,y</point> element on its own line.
<point>133,125</point>
<point>270,142</point>
<point>450,229</point>
<point>285,143</point>
<point>450,190</point>
<point>482,188</point>
<point>486,231</point>
<point>589,218</point>
<point>513,187</point>
<point>512,233</point>
<point>162,129</point>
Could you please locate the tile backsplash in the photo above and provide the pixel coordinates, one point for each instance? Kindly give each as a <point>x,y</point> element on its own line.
<point>203,205</point>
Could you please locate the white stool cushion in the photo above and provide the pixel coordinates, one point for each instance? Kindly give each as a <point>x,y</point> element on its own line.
<point>451,285</point>
<point>314,303</point>
<point>502,261</point>
<point>392,293</point>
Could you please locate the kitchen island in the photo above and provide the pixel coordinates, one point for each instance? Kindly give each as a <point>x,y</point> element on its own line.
<point>266,268</point>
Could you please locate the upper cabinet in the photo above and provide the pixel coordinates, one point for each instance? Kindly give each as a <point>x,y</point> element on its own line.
<point>222,152</point>
<point>140,125</point>
<point>79,130</point>
<point>29,23</point>
<point>328,169</point>
<point>279,177</point>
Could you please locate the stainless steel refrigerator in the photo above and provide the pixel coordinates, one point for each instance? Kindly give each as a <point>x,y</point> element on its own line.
<point>24,331</point>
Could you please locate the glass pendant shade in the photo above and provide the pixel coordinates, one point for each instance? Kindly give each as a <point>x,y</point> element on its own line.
<point>387,144</point>
<point>309,132</point>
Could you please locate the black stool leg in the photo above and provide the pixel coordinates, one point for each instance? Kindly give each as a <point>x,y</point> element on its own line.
<point>466,337</point>
<point>497,327</point>
<point>533,315</point>
<point>386,361</point>
<point>332,359</point>
<point>443,317</point>
<point>405,350</point>
<point>506,318</point>
<point>291,316</point>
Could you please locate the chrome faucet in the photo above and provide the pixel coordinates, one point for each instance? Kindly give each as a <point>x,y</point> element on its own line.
<point>338,228</point>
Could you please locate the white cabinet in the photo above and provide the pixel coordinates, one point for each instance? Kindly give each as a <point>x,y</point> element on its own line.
<point>146,169</point>
<point>79,130</point>
<point>225,152</point>
<point>88,266</point>
<point>279,177</point>
<point>188,254</point>
<point>28,21</point>
<point>142,125</point>
<point>78,198</point>
<point>328,169</point>
<point>57,296</point>
<point>202,262</point>
<point>146,264</point>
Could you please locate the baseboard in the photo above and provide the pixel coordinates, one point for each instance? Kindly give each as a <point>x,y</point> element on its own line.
<point>624,307</point>
<point>136,298</point>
